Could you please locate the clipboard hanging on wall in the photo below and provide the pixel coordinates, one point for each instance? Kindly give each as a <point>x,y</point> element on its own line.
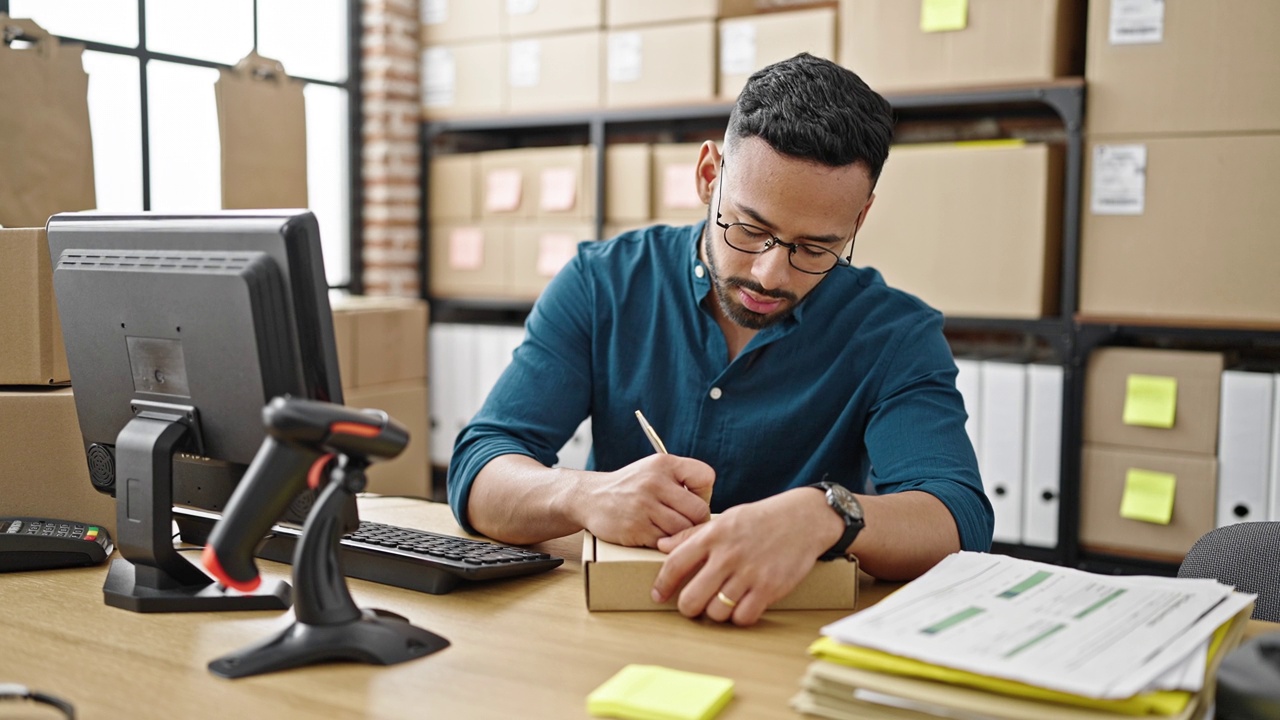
<point>262,122</point>
<point>45,142</point>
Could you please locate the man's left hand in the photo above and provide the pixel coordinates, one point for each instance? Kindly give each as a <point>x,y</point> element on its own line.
<point>749,557</point>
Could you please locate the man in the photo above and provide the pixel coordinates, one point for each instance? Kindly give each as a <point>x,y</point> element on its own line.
<point>779,376</point>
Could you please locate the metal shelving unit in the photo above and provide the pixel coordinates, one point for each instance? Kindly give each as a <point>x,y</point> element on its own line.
<point>1061,101</point>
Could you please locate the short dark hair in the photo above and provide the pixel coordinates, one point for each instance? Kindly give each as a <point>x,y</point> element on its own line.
<point>813,109</point>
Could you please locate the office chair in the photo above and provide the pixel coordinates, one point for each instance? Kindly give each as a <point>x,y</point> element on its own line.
<point>1246,555</point>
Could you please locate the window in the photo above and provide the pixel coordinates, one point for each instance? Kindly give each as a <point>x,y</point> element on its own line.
<point>152,110</point>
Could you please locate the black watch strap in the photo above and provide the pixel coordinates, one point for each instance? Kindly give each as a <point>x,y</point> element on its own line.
<point>845,504</point>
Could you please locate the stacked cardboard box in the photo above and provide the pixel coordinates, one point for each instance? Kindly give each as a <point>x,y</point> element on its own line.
<point>1149,472</point>
<point>1184,150</point>
<point>45,473</point>
<point>382,357</point>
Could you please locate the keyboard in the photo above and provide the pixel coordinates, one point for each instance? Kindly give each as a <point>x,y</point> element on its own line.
<point>407,558</point>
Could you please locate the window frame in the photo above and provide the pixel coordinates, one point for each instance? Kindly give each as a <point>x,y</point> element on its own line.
<point>352,84</point>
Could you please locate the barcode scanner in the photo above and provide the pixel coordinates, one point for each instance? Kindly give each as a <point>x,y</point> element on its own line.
<point>327,447</point>
<point>303,439</point>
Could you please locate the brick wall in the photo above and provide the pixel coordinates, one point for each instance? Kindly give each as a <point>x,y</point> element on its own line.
<point>389,48</point>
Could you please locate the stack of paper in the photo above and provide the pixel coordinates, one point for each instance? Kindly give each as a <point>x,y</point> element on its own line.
<point>989,636</point>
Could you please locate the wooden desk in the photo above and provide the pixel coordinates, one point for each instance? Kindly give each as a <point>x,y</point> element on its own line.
<point>524,648</point>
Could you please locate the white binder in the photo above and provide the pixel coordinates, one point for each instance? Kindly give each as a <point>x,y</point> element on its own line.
<point>465,398</point>
<point>442,392</point>
<point>1044,456</point>
<point>1244,446</point>
<point>969,383</point>
<point>1275,450</point>
<point>1004,412</point>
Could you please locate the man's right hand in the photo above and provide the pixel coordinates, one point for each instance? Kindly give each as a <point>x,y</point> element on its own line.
<point>652,498</point>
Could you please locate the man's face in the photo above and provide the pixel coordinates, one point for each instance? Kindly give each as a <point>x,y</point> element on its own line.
<point>794,200</point>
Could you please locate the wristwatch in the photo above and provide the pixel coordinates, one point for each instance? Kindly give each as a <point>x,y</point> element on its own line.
<point>846,505</point>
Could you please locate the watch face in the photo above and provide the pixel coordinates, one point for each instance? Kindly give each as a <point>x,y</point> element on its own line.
<point>845,502</point>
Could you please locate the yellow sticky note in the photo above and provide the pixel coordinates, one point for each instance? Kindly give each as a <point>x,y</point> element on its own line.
<point>943,15</point>
<point>1148,496</point>
<point>1150,401</point>
<point>651,692</point>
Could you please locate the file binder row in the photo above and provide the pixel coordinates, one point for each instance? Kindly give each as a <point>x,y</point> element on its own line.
<point>1249,448</point>
<point>466,362</point>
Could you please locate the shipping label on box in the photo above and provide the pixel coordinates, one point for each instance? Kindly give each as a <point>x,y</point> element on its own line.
<point>621,578</point>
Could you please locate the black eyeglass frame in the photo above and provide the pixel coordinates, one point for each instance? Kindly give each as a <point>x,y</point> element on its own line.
<point>775,241</point>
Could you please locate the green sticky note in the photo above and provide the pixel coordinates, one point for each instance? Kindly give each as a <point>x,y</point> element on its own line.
<point>651,692</point>
<point>943,15</point>
<point>1148,496</point>
<point>1151,401</point>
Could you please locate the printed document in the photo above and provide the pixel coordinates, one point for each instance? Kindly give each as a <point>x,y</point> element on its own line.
<point>1099,636</point>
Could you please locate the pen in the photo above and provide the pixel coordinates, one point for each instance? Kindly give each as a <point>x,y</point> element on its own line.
<point>652,435</point>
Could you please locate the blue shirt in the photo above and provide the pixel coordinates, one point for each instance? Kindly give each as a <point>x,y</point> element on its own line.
<point>857,386</point>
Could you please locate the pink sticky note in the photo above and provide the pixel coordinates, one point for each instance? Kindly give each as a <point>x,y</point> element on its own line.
<point>502,190</point>
<point>559,189</point>
<point>555,250</point>
<point>466,248</point>
<point>678,188</point>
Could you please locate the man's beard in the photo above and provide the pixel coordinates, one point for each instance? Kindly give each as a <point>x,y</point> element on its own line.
<point>724,287</point>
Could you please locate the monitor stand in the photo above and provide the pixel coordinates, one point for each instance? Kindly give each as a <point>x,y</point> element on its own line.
<point>150,575</point>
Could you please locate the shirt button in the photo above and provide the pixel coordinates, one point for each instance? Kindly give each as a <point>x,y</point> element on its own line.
<point>699,271</point>
<point>716,393</point>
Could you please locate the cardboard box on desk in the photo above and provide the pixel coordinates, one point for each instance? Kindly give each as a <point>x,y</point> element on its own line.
<point>380,340</point>
<point>748,44</point>
<point>1153,399</point>
<point>31,349</point>
<point>463,79</point>
<point>1150,248</point>
<point>554,72</point>
<point>43,471</point>
<point>448,21</point>
<point>409,473</point>
<point>990,245</point>
<point>994,42</point>
<point>621,578</point>
<point>1183,67</point>
<point>660,64</point>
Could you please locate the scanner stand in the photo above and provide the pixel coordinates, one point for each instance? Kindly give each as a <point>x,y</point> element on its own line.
<point>150,576</point>
<point>327,625</point>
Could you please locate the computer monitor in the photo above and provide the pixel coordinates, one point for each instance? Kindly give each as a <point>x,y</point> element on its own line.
<point>179,329</point>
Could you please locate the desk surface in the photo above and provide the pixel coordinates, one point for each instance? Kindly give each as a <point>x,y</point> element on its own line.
<point>520,648</point>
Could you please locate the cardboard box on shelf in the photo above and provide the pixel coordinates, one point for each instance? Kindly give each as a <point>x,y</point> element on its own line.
<point>410,472</point>
<point>1182,68</point>
<point>452,192</point>
<point>675,189</point>
<point>994,42</point>
<point>539,251</point>
<point>31,352</point>
<point>531,17</point>
<point>563,182</point>
<point>1181,229</point>
<point>989,246</point>
<point>628,187</point>
<point>504,187</point>
<point>448,21</point>
<point>1152,505</point>
<point>660,64</point>
<point>42,452</point>
<point>554,72</point>
<point>748,44</point>
<point>380,340</point>
<point>1153,399</point>
<point>463,79</point>
<point>628,13</point>
<point>469,260</point>
<point>621,578</point>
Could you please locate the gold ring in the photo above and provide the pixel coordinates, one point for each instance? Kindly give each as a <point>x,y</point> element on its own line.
<point>725,599</point>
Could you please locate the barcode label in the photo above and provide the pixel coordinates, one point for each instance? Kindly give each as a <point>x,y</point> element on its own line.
<point>1135,22</point>
<point>1119,180</point>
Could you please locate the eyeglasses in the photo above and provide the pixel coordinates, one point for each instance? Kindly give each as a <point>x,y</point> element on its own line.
<point>805,257</point>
